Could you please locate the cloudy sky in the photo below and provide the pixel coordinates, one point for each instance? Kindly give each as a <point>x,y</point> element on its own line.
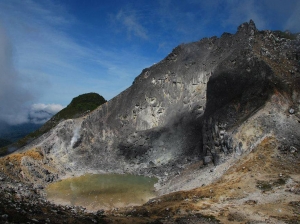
<point>54,50</point>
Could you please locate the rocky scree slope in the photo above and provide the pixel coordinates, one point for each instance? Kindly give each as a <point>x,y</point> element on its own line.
<point>207,102</point>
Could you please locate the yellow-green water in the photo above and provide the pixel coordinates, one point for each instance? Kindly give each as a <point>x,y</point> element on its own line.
<point>102,191</point>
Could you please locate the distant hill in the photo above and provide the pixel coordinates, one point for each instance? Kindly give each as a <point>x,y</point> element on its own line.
<point>4,142</point>
<point>13,133</point>
<point>78,107</point>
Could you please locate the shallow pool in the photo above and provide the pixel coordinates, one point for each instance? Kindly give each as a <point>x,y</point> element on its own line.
<point>102,191</point>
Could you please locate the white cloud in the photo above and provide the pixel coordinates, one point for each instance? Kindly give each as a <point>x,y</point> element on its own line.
<point>293,22</point>
<point>13,95</point>
<point>243,11</point>
<point>49,108</point>
<point>40,113</point>
<point>58,65</point>
<point>131,24</point>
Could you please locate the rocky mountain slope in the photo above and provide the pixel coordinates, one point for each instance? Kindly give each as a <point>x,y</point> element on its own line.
<point>221,113</point>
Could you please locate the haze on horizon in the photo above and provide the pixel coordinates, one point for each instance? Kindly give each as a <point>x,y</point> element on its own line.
<point>52,51</point>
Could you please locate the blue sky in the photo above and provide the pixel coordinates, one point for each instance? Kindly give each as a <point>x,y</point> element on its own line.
<point>55,50</point>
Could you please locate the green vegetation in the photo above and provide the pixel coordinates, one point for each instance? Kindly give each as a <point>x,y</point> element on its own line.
<point>268,185</point>
<point>286,35</point>
<point>79,106</point>
<point>279,182</point>
<point>264,185</point>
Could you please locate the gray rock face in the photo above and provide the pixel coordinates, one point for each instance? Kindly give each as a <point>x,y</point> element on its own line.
<point>185,108</point>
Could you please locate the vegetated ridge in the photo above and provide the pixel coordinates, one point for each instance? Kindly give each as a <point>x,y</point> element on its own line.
<point>79,106</point>
<point>217,121</point>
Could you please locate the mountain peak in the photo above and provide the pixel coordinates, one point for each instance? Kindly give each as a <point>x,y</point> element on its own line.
<point>248,28</point>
